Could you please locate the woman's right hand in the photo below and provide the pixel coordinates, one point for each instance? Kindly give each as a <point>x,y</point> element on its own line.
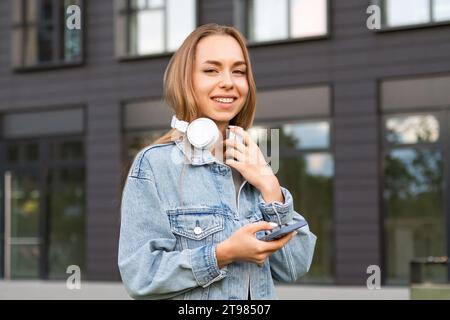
<point>243,245</point>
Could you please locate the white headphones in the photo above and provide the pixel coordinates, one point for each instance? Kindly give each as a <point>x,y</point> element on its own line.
<point>202,133</point>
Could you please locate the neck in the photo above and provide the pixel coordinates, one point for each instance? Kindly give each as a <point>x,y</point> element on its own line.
<point>222,129</point>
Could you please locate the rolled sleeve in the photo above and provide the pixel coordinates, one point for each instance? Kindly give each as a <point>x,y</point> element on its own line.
<point>275,211</point>
<point>205,267</point>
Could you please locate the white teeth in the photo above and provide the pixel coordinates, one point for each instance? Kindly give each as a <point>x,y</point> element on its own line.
<point>224,100</point>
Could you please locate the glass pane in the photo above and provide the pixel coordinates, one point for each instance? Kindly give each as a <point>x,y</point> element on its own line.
<point>17,47</point>
<point>45,40</point>
<point>268,20</point>
<point>16,12</point>
<point>137,141</point>
<point>406,12</point>
<point>146,4</point>
<point>45,10</point>
<point>160,3</point>
<point>67,220</point>
<point>23,153</point>
<point>412,129</point>
<point>415,222</point>
<point>32,11</point>
<point>25,198</point>
<point>31,48</point>
<point>181,21</point>
<point>139,4</point>
<point>309,178</point>
<point>441,10</point>
<point>71,49</point>
<point>67,150</point>
<point>308,18</point>
<point>147,32</point>
<point>24,261</point>
<point>310,135</point>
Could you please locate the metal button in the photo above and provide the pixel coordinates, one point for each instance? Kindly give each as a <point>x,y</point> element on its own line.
<point>197,230</point>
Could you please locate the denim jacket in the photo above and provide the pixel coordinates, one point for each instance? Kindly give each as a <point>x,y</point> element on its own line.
<point>173,214</point>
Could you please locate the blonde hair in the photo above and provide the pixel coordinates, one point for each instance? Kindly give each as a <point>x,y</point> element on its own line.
<point>178,89</point>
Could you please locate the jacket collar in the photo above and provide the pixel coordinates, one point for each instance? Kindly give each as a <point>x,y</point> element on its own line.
<point>193,155</point>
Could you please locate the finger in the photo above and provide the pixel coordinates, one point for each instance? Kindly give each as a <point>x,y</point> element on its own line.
<point>235,164</point>
<point>261,225</point>
<point>236,154</point>
<point>244,134</point>
<point>281,242</point>
<point>235,144</point>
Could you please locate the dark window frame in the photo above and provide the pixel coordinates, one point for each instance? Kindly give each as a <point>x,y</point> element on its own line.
<point>57,35</point>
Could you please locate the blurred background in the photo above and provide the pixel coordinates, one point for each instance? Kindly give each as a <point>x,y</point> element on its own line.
<point>363,115</point>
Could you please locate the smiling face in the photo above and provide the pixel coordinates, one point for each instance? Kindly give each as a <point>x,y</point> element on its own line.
<point>220,78</point>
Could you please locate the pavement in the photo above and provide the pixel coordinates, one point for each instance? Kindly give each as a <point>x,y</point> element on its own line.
<point>57,290</point>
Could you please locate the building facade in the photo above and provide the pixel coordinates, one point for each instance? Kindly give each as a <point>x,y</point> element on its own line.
<point>362,114</point>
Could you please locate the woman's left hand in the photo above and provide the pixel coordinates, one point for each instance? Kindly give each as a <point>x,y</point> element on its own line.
<point>248,159</point>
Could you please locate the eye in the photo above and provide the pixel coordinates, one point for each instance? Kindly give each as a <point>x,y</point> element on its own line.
<point>242,72</point>
<point>210,70</point>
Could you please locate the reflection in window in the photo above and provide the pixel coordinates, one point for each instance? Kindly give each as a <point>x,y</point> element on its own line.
<point>25,261</point>
<point>135,141</point>
<point>308,18</point>
<point>414,223</point>
<point>309,178</point>
<point>25,218</point>
<point>441,10</point>
<point>40,34</point>
<point>301,136</point>
<point>23,153</point>
<point>411,12</point>
<point>412,129</point>
<point>155,26</point>
<point>269,20</point>
<point>25,211</point>
<point>404,12</point>
<point>310,135</point>
<point>66,150</point>
<point>66,211</point>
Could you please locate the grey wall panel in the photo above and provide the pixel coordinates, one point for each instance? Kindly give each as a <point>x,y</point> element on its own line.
<point>296,102</point>
<point>415,93</point>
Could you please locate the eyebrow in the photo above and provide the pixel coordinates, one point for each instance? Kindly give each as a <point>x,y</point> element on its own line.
<point>217,63</point>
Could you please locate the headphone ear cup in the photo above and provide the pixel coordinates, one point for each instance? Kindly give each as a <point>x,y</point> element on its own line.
<point>202,133</point>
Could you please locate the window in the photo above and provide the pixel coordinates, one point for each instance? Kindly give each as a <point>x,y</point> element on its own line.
<point>147,27</point>
<point>46,173</point>
<point>306,169</point>
<point>267,20</point>
<point>144,121</point>
<point>413,193</point>
<point>40,34</point>
<point>399,13</point>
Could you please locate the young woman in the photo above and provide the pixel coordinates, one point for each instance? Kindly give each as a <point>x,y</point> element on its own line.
<point>190,222</point>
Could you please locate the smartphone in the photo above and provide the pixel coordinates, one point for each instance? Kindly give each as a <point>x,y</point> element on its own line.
<point>283,231</point>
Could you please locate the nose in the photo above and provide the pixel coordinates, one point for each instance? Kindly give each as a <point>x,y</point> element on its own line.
<point>226,81</point>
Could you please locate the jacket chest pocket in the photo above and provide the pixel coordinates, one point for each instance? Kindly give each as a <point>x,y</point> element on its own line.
<point>196,227</point>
